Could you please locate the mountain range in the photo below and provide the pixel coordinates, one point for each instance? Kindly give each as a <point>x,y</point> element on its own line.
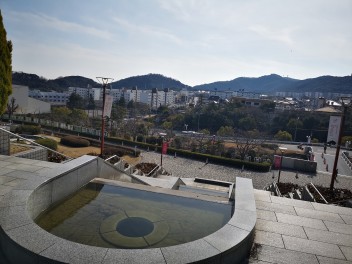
<point>267,84</point>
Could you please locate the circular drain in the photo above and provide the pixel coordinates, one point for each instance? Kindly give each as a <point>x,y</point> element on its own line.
<point>134,229</point>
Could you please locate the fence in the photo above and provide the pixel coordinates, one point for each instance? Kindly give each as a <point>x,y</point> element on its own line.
<point>345,156</point>
<point>54,124</point>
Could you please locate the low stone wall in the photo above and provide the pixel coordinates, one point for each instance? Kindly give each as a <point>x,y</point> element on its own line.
<point>299,164</point>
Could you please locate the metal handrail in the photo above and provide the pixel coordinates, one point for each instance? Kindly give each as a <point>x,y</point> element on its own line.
<point>347,160</point>
<point>36,144</point>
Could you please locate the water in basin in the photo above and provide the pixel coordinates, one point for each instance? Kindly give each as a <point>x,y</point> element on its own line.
<point>119,217</point>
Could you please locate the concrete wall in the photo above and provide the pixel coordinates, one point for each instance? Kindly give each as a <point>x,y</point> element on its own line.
<point>4,143</point>
<point>27,104</point>
<point>299,164</point>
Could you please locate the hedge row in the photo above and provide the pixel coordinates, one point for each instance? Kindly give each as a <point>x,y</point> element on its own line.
<point>129,147</point>
<point>262,167</point>
<point>28,129</point>
<point>74,141</point>
<point>47,142</point>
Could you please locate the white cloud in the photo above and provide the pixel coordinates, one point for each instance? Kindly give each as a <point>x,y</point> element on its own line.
<point>146,30</point>
<point>42,20</point>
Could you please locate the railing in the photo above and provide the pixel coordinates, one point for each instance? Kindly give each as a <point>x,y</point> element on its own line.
<point>36,144</point>
<point>54,124</point>
<point>345,157</point>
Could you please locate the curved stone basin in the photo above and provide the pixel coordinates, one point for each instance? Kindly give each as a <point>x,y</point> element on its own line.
<point>22,241</point>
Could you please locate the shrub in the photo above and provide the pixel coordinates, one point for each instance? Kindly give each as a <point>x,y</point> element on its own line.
<point>152,140</point>
<point>74,141</point>
<point>283,136</point>
<point>28,129</point>
<point>121,151</point>
<point>345,139</point>
<point>140,138</point>
<point>47,142</point>
<point>315,140</point>
<point>270,146</point>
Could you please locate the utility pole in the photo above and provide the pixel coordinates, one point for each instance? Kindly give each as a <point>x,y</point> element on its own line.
<point>104,81</point>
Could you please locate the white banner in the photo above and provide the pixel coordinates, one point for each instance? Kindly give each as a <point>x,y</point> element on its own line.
<point>334,128</point>
<point>108,105</point>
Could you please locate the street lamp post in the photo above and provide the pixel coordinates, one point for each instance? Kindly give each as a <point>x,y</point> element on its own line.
<point>346,101</point>
<point>104,82</point>
<point>282,156</point>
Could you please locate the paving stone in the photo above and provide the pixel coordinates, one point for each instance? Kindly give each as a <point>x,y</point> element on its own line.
<point>15,197</point>
<point>5,179</point>
<point>347,251</point>
<point>292,202</point>
<point>13,216</point>
<point>47,164</point>
<point>190,252</point>
<point>347,219</point>
<point>329,237</point>
<point>226,238</point>
<point>4,171</point>
<point>32,237</point>
<point>266,215</point>
<point>150,256</point>
<point>3,164</point>
<point>244,219</point>
<point>70,252</point>
<point>300,221</point>
<point>332,209</point>
<point>4,189</point>
<point>268,238</point>
<point>319,215</point>
<point>275,207</point>
<point>254,261</point>
<point>14,182</point>
<point>261,195</point>
<point>24,167</point>
<point>338,228</point>
<point>325,260</point>
<point>284,256</point>
<point>22,174</point>
<point>312,247</point>
<point>280,228</point>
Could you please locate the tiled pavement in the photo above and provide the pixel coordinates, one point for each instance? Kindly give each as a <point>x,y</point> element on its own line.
<point>287,231</point>
<point>292,231</point>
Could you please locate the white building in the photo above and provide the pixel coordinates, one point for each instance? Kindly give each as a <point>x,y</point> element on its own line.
<point>55,98</point>
<point>222,94</point>
<point>26,104</point>
<point>96,93</point>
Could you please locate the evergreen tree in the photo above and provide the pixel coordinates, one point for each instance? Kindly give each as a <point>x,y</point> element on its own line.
<point>5,67</point>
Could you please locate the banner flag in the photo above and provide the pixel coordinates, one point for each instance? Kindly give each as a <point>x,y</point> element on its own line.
<point>164,148</point>
<point>108,105</point>
<point>334,128</point>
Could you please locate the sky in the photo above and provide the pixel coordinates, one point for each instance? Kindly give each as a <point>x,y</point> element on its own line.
<point>193,41</point>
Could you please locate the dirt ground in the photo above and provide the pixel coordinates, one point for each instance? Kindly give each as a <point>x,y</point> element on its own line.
<point>77,152</point>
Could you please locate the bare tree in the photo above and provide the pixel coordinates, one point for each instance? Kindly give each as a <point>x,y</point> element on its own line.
<point>11,107</point>
<point>246,142</point>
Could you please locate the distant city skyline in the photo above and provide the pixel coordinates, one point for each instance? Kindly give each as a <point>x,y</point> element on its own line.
<point>195,42</point>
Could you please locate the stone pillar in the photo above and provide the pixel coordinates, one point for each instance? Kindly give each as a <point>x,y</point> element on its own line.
<point>4,143</point>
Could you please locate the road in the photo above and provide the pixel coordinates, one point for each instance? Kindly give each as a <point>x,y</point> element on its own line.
<point>343,169</point>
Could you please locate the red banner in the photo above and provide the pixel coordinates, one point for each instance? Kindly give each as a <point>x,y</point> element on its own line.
<point>277,162</point>
<point>164,148</point>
